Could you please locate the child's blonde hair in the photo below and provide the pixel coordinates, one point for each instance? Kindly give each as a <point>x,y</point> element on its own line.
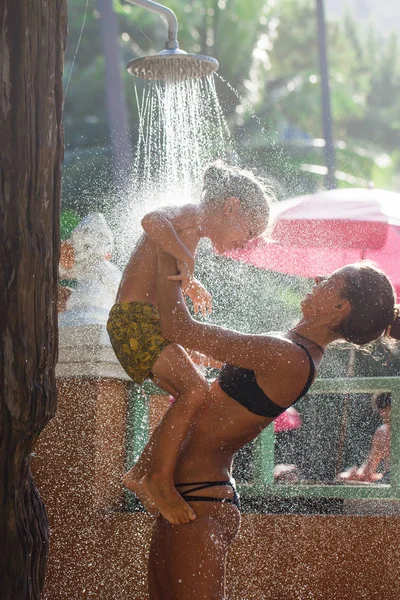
<point>222,181</point>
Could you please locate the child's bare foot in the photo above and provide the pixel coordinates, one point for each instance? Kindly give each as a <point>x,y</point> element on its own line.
<point>135,486</point>
<point>170,504</point>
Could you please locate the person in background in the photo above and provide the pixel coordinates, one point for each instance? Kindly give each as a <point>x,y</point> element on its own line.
<point>379,455</point>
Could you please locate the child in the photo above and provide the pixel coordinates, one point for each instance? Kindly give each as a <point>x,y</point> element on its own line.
<point>234,209</point>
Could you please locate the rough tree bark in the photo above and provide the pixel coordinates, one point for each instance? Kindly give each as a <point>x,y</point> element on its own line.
<point>32,43</point>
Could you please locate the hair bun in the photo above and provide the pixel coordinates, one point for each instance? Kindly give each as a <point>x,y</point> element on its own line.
<point>215,172</point>
<point>394,328</point>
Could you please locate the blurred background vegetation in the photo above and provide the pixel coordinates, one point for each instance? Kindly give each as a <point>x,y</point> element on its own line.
<point>268,54</point>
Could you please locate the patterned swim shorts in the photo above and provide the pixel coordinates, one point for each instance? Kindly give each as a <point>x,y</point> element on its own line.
<point>135,334</point>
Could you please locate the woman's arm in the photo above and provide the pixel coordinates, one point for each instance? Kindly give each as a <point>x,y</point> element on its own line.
<point>257,352</point>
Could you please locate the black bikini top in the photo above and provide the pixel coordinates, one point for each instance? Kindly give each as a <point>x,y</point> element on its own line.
<point>241,385</point>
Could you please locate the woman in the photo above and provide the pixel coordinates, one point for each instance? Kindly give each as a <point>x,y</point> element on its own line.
<point>271,373</point>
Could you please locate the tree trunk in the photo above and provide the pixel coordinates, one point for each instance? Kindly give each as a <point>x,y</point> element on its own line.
<point>32,43</point>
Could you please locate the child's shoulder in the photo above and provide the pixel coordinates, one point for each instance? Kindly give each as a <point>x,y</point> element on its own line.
<point>184,215</point>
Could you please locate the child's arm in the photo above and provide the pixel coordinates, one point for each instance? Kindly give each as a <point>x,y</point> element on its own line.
<point>162,227</point>
<point>176,231</point>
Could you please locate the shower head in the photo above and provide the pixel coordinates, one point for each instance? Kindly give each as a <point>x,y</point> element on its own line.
<point>172,65</point>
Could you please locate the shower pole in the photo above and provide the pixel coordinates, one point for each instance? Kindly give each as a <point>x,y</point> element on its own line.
<point>329,150</point>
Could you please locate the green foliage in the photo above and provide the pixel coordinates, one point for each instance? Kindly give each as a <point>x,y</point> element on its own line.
<point>269,55</point>
<point>87,180</point>
<point>85,98</point>
<point>203,27</point>
<point>287,93</point>
<point>69,220</point>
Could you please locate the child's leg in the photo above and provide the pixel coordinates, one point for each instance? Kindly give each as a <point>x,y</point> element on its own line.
<point>175,368</point>
<point>175,373</point>
<point>132,479</point>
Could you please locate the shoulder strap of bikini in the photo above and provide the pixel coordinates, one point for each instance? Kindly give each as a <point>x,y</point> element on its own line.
<point>311,373</point>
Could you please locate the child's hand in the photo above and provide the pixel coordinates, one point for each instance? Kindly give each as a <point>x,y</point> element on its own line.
<point>189,262</point>
<point>200,297</point>
<point>185,276</point>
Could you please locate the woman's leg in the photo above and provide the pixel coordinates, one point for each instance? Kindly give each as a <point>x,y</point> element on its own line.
<point>189,561</point>
<point>175,370</point>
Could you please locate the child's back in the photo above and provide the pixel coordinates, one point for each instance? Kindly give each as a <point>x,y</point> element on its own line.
<point>139,277</point>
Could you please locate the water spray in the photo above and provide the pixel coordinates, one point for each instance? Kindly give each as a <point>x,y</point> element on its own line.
<point>171,64</point>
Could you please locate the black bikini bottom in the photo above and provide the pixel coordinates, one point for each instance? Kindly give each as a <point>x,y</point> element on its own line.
<point>202,485</point>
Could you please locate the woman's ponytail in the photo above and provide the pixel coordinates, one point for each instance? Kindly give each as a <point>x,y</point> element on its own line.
<point>393,330</point>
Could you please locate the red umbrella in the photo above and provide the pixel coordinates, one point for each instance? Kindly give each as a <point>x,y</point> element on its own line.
<point>319,233</point>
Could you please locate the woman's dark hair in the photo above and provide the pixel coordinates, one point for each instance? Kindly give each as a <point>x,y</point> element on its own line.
<point>372,299</point>
<point>222,181</point>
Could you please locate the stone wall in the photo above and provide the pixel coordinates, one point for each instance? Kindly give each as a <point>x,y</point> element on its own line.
<point>100,551</point>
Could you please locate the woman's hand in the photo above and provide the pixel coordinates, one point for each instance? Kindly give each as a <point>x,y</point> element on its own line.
<point>193,289</point>
<point>201,359</point>
<point>200,297</point>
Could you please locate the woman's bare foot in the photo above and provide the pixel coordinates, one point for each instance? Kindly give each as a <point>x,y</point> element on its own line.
<point>170,504</point>
<point>135,486</point>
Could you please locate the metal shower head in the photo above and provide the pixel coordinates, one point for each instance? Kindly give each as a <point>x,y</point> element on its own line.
<point>171,64</point>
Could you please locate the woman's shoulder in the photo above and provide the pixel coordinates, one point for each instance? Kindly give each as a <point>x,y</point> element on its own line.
<point>282,340</point>
<point>285,376</point>
<point>288,356</point>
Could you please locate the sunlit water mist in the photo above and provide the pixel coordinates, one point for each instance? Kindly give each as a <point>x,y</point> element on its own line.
<point>244,105</point>
<point>181,129</point>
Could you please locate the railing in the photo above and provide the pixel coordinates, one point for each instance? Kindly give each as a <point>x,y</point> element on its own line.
<point>262,484</point>
<point>263,456</point>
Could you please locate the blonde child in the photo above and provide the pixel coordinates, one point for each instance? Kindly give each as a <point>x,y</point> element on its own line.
<point>234,209</point>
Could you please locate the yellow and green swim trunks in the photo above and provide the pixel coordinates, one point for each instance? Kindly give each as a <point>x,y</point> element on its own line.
<point>135,334</point>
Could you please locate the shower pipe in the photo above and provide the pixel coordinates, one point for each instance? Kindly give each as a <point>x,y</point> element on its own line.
<point>168,15</point>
